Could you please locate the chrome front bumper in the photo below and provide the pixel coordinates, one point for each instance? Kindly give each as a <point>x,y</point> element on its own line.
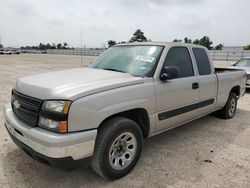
<point>54,145</point>
<point>248,83</point>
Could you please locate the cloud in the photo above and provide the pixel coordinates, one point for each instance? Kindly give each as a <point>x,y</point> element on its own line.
<point>189,19</point>
<point>136,3</point>
<point>30,22</point>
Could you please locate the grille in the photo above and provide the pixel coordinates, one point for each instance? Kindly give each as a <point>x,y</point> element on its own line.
<point>248,76</point>
<point>26,108</point>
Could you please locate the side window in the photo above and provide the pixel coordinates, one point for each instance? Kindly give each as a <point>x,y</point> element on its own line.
<point>180,57</point>
<point>202,61</point>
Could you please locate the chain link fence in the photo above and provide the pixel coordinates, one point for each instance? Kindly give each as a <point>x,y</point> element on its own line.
<point>78,51</point>
<point>229,55</point>
<point>224,55</point>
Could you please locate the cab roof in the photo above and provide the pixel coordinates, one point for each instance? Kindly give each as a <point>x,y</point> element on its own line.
<point>165,44</point>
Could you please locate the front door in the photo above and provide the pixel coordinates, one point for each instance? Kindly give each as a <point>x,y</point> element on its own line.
<point>177,99</point>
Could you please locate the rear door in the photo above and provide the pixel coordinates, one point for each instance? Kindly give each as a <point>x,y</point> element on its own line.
<point>177,99</point>
<point>207,80</point>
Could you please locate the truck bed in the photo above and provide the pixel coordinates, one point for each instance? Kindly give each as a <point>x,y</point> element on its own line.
<point>227,79</point>
<point>226,70</point>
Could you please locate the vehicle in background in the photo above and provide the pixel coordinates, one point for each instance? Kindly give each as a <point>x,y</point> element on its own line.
<point>7,52</point>
<point>100,114</point>
<point>244,64</point>
<point>15,52</point>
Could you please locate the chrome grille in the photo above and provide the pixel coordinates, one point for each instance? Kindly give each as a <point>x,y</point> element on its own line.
<point>248,76</point>
<point>26,108</point>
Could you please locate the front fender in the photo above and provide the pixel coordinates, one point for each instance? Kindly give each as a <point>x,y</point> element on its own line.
<point>89,112</point>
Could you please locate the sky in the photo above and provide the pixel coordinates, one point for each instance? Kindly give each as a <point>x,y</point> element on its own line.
<point>30,22</point>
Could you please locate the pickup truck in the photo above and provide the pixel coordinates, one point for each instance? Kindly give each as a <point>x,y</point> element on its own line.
<point>243,63</point>
<point>100,115</point>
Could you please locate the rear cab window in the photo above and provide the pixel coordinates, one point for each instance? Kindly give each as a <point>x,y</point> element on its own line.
<point>202,61</point>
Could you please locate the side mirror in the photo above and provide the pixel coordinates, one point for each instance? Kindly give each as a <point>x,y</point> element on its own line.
<point>233,64</point>
<point>169,73</point>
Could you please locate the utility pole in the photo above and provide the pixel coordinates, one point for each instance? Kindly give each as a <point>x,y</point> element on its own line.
<point>81,46</point>
<point>1,41</point>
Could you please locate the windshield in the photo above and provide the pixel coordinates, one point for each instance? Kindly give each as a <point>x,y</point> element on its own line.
<point>243,63</point>
<point>135,60</point>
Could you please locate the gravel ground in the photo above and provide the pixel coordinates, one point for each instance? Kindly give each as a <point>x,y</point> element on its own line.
<point>208,152</point>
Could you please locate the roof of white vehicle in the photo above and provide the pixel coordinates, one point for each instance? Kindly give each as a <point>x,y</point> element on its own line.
<point>168,44</point>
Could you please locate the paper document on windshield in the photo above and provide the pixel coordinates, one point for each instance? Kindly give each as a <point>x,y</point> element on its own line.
<point>149,59</point>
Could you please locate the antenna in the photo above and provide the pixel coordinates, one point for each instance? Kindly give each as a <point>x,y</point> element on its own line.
<point>81,46</point>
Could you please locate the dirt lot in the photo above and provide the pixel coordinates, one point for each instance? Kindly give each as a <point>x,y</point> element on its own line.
<point>208,152</point>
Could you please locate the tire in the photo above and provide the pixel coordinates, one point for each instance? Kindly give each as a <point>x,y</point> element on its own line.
<point>117,149</point>
<point>228,111</point>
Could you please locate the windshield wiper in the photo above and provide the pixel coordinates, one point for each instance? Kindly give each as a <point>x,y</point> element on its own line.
<point>110,69</point>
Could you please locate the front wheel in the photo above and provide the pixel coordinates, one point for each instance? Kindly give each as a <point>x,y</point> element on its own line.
<point>118,148</point>
<point>228,111</point>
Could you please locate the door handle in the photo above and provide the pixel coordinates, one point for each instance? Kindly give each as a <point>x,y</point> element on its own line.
<point>195,85</point>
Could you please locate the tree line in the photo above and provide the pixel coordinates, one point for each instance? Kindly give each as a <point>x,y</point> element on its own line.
<point>139,36</point>
<point>204,41</point>
<point>247,47</point>
<point>42,46</point>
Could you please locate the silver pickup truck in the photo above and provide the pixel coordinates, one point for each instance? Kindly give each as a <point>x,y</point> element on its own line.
<point>100,114</point>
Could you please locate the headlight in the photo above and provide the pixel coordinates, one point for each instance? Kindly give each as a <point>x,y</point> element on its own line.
<point>54,116</point>
<point>57,106</point>
<point>53,125</point>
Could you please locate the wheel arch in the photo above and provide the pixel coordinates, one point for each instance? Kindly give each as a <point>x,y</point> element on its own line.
<point>138,115</point>
<point>236,90</point>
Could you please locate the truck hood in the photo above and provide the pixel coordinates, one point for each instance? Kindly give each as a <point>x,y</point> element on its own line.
<point>73,83</point>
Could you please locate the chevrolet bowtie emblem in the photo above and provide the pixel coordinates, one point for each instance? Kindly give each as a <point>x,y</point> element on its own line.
<point>17,104</point>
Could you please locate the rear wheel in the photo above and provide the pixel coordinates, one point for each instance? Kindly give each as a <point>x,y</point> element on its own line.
<point>118,148</point>
<point>228,111</point>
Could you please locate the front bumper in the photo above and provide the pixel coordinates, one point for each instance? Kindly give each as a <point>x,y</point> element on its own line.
<point>248,84</point>
<point>53,148</point>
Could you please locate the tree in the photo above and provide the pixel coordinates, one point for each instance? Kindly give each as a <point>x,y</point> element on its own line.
<point>138,36</point>
<point>1,46</point>
<point>48,46</point>
<point>65,45</point>
<point>59,46</point>
<point>111,43</point>
<point>247,47</point>
<point>42,46</point>
<point>187,40</point>
<point>177,40</point>
<point>205,41</point>
<point>196,41</point>
<point>219,47</point>
<point>53,46</point>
